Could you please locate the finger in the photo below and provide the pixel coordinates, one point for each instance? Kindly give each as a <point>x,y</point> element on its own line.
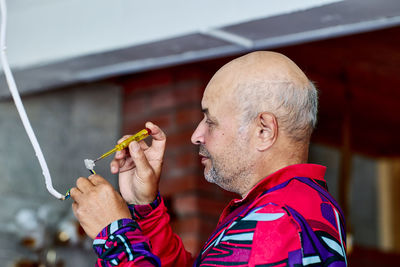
<point>143,167</point>
<point>123,138</point>
<point>75,194</point>
<point>125,162</point>
<point>97,179</point>
<point>122,166</point>
<point>143,145</point>
<point>83,184</point>
<point>159,137</point>
<point>75,207</point>
<point>121,153</point>
<point>156,132</point>
<point>116,164</point>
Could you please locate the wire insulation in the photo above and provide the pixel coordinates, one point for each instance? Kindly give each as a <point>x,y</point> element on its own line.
<point>18,103</point>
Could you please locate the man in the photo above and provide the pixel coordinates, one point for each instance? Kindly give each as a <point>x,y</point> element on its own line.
<point>259,112</point>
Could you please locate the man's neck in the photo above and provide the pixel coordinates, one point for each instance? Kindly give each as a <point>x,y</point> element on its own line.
<point>277,160</point>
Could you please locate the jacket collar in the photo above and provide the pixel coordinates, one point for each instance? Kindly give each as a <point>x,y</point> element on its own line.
<point>313,171</point>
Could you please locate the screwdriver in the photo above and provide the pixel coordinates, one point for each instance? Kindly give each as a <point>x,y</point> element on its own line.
<point>124,144</point>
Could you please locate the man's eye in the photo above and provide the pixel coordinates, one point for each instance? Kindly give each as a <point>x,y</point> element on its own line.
<point>209,122</point>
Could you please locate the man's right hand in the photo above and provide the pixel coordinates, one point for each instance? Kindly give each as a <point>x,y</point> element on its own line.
<point>139,167</point>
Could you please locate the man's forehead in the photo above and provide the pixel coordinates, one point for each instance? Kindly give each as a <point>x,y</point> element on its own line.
<point>205,101</point>
<point>215,93</point>
<point>205,107</point>
<point>218,95</point>
<point>215,106</point>
<point>209,101</point>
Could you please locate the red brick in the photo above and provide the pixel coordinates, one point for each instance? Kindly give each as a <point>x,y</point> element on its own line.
<point>190,204</point>
<point>178,185</point>
<point>135,107</point>
<point>163,120</point>
<point>189,92</point>
<point>194,224</point>
<point>169,163</point>
<point>192,243</point>
<point>175,173</point>
<point>145,82</point>
<point>189,116</point>
<point>133,127</point>
<point>190,73</point>
<point>187,159</point>
<point>181,138</point>
<point>163,99</point>
<point>191,181</point>
<point>186,205</point>
<point>207,187</point>
<point>176,95</point>
<point>187,225</point>
<point>194,231</point>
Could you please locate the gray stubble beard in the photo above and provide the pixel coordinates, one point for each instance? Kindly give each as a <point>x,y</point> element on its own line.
<point>214,174</point>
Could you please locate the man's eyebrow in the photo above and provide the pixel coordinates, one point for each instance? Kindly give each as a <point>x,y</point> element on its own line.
<point>205,111</point>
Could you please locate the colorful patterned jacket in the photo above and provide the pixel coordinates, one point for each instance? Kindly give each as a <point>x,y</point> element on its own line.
<point>287,219</point>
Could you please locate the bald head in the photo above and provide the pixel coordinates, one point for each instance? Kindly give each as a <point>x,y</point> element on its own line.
<point>259,111</point>
<point>266,66</point>
<point>270,82</point>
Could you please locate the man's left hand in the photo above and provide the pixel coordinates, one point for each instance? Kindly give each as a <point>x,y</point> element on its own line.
<point>97,204</point>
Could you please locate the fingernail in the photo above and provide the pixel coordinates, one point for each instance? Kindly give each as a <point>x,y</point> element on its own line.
<point>113,169</point>
<point>134,146</point>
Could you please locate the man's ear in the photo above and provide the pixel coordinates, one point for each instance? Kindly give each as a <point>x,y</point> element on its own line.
<point>267,130</point>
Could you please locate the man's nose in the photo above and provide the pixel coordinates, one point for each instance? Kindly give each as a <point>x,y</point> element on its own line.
<point>198,136</point>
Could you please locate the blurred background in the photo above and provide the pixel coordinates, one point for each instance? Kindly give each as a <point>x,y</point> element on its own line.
<point>91,71</point>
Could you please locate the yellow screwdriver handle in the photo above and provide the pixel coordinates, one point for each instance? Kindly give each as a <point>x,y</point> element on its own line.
<point>137,137</point>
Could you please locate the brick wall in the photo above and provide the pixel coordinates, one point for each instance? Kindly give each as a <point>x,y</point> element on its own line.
<point>171,99</point>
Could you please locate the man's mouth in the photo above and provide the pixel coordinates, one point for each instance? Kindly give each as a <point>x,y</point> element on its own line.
<point>203,158</point>
<point>204,155</point>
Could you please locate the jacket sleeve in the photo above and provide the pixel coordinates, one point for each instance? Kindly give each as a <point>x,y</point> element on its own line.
<point>122,243</point>
<point>153,219</point>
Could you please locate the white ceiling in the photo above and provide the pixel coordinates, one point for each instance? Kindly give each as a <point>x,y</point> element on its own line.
<point>58,43</point>
<point>42,31</point>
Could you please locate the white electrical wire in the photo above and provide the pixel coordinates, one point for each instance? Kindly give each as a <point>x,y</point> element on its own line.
<point>18,103</point>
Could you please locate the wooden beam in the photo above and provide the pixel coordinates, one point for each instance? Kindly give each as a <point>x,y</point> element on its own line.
<point>389,204</point>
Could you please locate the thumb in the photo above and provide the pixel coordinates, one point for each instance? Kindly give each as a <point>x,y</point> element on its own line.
<point>143,167</point>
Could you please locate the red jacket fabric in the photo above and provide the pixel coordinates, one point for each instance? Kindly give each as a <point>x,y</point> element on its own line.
<point>287,219</point>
